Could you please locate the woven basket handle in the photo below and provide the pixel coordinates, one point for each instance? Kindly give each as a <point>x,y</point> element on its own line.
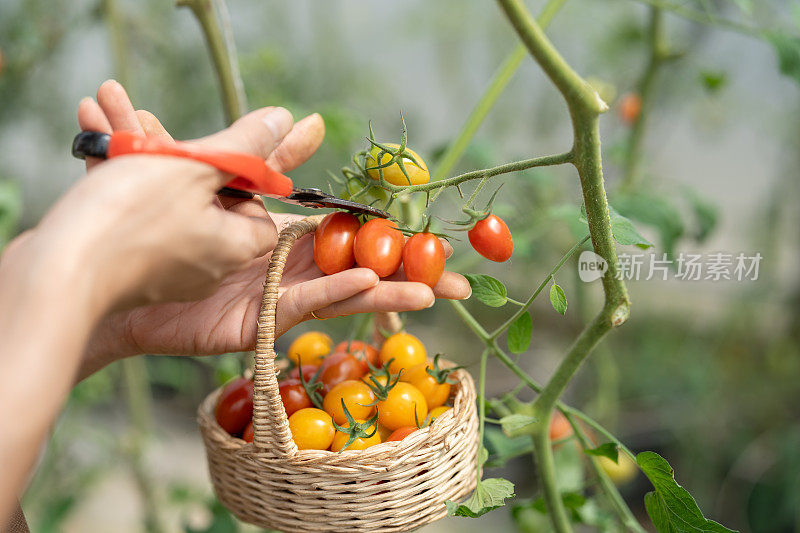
<point>270,425</point>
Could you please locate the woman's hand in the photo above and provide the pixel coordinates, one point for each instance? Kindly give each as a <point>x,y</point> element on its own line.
<point>225,321</point>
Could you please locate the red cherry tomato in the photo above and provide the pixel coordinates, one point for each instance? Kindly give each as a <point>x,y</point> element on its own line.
<point>401,433</point>
<point>293,395</point>
<point>341,367</point>
<point>333,242</point>
<point>423,258</point>
<point>235,406</point>
<point>247,434</point>
<point>379,246</point>
<point>492,239</point>
<point>360,349</point>
<point>308,371</point>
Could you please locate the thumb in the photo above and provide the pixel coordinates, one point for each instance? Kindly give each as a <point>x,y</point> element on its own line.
<point>257,133</point>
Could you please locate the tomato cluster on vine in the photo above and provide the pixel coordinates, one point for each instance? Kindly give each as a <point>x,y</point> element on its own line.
<point>349,396</point>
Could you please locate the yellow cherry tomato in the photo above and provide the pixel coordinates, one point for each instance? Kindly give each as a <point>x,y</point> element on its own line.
<point>435,393</point>
<point>436,411</point>
<point>356,395</point>
<point>310,348</point>
<point>312,429</point>
<point>384,432</point>
<point>620,472</point>
<point>398,409</point>
<point>417,174</point>
<point>404,350</point>
<point>361,443</point>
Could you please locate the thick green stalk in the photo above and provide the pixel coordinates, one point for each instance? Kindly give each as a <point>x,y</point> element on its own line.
<point>213,18</point>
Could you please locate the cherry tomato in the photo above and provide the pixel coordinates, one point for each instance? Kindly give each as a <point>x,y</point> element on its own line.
<point>247,434</point>
<point>308,372</point>
<point>356,395</point>
<point>312,429</point>
<point>559,427</point>
<point>361,443</point>
<point>491,238</point>
<point>341,367</point>
<point>404,350</point>
<point>235,406</point>
<point>630,106</point>
<point>401,433</point>
<point>379,247</point>
<point>310,348</point>
<point>417,174</point>
<point>438,411</point>
<point>384,432</point>
<point>423,258</point>
<point>293,395</point>
<point>333,242</point>
<point>360,349</point>
<point>398,409</point>
<point>382,379</point>
<point>435,393</point>
<point>621,472</point>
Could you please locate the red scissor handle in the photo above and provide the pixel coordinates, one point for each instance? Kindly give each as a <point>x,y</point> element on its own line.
<point>252,173</point>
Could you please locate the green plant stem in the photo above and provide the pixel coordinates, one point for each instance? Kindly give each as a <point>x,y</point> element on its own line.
<point>606,485</point>
<point>658,53</point>
<point>213,18</point>
<point>482,407</point>
<point>524,308</point>
<point>489,98</point>
<point>693,15</point>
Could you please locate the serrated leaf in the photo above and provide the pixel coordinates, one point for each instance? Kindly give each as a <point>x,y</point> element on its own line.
<point>558,299</point>
<point>671,508</point>
<point>787,48</point>
<point>516,424</point>
<point>519,333</point>
<point>487,289</point>
<point>609,449</point>
<point>488,495</point>
<point>626,233</point>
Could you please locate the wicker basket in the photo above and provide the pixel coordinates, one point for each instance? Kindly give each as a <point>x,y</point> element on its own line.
<point>394,486</point>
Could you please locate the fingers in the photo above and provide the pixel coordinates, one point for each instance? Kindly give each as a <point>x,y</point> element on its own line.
<point>91,116</point>
<point>118,108</point>
<point>385,296</point>
<point>151,125</point>
<point>257,133</point>
<point>246,238</point>
<point>452,286</point>
<point>299,144</point>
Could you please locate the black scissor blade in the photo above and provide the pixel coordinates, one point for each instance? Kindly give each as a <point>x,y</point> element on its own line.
<point>316,198</point>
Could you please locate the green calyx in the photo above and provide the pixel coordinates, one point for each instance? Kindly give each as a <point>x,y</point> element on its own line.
<point>441,375</point>
<point>356,430</point>
<point>312,386</point>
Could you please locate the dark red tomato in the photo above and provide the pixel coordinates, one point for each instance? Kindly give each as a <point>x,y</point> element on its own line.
<point>235,406</point>
<point>293,395</point>
<point>333,242</point>
<point>341,367</point>
<point>401,433</point>
<point>247,434</point>
<point>379,246</point>
<point>492,239</point>
<point>308,372</point>
<point>423,258</point>
<point>360,349</point>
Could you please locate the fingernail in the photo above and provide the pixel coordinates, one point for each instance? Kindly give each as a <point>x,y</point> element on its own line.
<point>433,302</point>
<point>279,122</point>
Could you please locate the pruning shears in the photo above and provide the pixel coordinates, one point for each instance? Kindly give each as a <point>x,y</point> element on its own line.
<point>251,173</point>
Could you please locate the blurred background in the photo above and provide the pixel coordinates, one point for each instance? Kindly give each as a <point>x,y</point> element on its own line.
<point>705,373</point>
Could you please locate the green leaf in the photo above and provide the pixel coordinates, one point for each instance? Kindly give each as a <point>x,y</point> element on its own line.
<point>487,289</point>
<point>787,47</point>
<point>654,211</point>
<point>516,424</point>
<point>573,501</point>
<point>609,449</point>
<point>558,299</point>
<point>488,495</point>
<point>519,333</point>
<point>745,5</point>
<point>625,233</point>
<point>671,508</point>
<point>705,214</point>
<point>502,448</point>
<point>10,210</point>
<point>713,80</point>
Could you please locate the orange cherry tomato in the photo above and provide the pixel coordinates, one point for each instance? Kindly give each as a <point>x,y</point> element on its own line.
<point>401,433</point>
<point>437,412</point>
<point>400,406</point>
<point>312,429</point>
<point>423,258</point>
<point>491,238</point>
<point>356,395</point>
<point>404,351</point>
<point>234,407</point>
<point>435,393</point>
<point>379,247</point>
<point>360,349</point>
<point>310,349</point>
<point>293,395</point>
<point>361,443</point>
<point>630,106</point>
<point>333,242</point>
<point>560,427</point>
<point>247,434</point>
<point>341,367</point>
